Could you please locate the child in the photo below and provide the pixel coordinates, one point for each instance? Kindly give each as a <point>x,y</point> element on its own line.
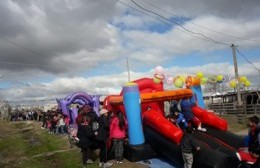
<point>258,133</point>
<point>118,128</point>
<point>49,126</point>
<point>252,136</point>
<point>186,110</point>
<point>178,119</point>
<point>188,147</point>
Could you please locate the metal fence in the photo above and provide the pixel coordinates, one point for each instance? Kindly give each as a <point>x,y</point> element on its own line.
<point>231,108</point>
<point>242,112</point>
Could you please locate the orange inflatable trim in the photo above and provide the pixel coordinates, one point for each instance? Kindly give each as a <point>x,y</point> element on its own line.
<point>192,81</point>
<point>156,96</point>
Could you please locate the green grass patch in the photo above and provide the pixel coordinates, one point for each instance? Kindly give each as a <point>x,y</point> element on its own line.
<point>12,146</point>
<point>233,124</point>
<point>35,148</point>
<point>41,142</point>
<point>69,159</point>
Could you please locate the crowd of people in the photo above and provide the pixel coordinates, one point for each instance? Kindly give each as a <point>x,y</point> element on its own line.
<point>53,120</point>
<point>90,131</point>
<point>109,131</point>
<point>22,115</point>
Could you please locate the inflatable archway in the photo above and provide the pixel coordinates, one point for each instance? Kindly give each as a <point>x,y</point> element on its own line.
<point>80,98</point>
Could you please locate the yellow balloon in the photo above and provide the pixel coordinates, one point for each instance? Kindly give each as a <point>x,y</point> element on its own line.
<point>156,80</point>
<point>203,80</point>
<point>243,79</point>
<point>219,78</point>
<point>182,78</point>
<point>178,82</point>
<point>247,83</point>
<point>200,75</point>
<point>232,84</point>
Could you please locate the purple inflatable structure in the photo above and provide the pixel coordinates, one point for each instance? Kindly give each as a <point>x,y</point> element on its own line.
<point>80,98</point>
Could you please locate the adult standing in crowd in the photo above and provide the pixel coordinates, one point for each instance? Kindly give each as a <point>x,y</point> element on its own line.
<point>44,120</point>
<point>102,137</point>
<point>85,136</point>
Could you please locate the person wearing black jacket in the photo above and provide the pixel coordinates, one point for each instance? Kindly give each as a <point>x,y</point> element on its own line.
<point>102,137</point>
<point>188,147</point>
<point>85,136</point>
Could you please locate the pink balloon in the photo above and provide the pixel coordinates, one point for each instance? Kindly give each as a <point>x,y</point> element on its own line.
<point>159,70</point>
<point>169,80</point>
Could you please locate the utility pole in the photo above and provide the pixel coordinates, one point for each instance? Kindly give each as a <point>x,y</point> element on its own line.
<point>236,74</point>
<point>128,69</point>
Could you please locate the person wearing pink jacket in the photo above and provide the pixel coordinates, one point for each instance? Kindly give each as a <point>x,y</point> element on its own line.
<point>118,128</point>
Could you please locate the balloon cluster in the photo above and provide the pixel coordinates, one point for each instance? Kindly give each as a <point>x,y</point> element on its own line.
<point>160,76</point>
<point>179,81</point>
<point>212,79</point>
<point>241,80</point>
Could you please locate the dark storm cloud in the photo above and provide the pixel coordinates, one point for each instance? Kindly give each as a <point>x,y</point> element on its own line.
<point>33,33</point>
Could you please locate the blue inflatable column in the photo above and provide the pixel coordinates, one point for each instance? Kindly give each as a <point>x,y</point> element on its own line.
<point>131,99</point>
<point>197,96</point>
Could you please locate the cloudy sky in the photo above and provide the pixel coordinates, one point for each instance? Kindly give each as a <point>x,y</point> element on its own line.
<point>49,49</point>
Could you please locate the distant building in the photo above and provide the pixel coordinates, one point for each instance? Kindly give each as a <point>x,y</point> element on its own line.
<point>5,110</point>
<point>226,103</point>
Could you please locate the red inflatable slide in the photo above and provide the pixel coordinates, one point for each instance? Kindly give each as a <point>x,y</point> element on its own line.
<point>209,118</point>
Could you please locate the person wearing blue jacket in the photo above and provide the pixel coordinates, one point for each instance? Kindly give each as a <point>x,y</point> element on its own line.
<point>186,110</point>
<point>178,119</point>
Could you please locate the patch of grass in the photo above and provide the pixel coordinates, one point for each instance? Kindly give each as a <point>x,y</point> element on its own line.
<point>12,146</point>
<point>233,124</point>
<point>72,159</point>
<point>69,159</point>
<point>41,142</point>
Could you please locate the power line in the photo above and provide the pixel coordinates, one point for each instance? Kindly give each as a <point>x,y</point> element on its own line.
<point>143,12</point>
<point>163,21</point>
<point>169,24</point>
<point>204,27</point>
<point>247,60</point>
<point>208,38</point>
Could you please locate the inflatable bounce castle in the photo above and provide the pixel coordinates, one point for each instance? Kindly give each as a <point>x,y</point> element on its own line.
<point>150,132</point>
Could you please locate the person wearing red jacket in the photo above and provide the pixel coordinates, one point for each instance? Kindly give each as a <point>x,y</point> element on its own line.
<point>118,128</point>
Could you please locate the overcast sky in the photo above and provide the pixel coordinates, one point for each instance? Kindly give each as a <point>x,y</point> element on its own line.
<point>49,49</point>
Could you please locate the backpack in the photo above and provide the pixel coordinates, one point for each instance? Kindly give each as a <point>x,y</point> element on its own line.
<point>95,127</point>
<point>93,122</point>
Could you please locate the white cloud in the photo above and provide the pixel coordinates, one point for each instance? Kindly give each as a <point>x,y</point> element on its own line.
<point>112,84</point>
